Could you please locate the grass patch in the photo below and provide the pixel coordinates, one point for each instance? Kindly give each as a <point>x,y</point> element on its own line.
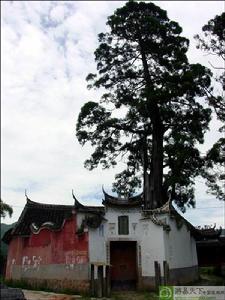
<point>17,284</point>
<point>128,295</point>
<point>210,276</point>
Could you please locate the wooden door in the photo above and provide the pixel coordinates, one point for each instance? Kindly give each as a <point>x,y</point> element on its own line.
<point>123,265</point>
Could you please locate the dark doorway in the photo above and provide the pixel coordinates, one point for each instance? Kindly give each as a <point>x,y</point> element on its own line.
<point>123,265</point>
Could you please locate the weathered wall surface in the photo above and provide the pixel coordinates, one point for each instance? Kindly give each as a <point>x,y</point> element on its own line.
<point>96,241</point>
<point>52,255</point>
<point>99,239</point>
<point>152,247</point>
<point>177,246</point>
<point>149,238</point>
<point>62,258</point>
<point>180,246</point>
<point>181,254</point>
<point>97,244</point>
<point>182,276</point>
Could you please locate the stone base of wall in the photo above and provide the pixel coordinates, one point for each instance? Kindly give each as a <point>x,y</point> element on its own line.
<point>183,276</point>
<point>146,283</point>
<point>54,277</point>
<point>179,276</point>
<point>54,285</point>
<point>58,285</point>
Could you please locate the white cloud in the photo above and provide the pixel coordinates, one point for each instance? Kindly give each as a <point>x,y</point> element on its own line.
<point>58,13</point>
<point>47,51</point>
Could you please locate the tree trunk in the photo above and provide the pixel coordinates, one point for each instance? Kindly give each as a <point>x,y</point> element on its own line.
<point>153,182</point>
<point>146,174</point>
<point>156,174</point>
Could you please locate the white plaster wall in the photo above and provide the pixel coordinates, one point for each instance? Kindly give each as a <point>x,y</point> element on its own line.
<point>194,252</point>
<point>149,238</point>
<point>177,246</point>
<point>180,246</point>
<point>152,247</point>
<point>98,239</point>
<point>112,215</point>
<point>97,245</point>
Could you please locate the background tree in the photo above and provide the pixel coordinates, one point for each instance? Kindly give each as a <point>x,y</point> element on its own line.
<point>5,209</point>
<point>149,114</point>
<point>213,43</point>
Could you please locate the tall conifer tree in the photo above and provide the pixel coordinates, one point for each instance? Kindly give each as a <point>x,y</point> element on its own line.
<point>151,113</point>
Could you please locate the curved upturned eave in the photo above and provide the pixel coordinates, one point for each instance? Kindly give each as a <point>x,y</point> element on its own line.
<point>23,226</point>
<point>86,208</point>
<point>134,201</point>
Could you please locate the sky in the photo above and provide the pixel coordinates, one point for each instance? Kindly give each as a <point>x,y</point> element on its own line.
<point>47,50</point>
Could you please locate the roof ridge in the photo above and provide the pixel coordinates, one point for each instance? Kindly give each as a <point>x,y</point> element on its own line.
<point>47,205</point>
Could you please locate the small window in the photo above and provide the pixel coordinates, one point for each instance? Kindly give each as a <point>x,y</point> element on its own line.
<point>123,225</point>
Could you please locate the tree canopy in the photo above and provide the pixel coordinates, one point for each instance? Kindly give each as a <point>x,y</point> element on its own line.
<point>213,42</point>
<point>5,209</point>
<point>151,113</point>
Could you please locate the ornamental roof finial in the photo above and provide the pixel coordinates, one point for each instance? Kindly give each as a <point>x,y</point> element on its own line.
<point>25,192</point>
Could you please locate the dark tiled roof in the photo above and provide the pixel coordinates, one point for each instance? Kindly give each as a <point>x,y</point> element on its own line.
<point>135,201</point>
<point>39,215</point>
<point>209,233</point>
<point>197,233</point>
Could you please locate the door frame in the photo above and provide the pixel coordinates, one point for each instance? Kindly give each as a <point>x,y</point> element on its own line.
<point>137,254</point>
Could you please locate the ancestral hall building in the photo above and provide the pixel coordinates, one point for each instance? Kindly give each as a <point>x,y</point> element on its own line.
<point>117,245</point>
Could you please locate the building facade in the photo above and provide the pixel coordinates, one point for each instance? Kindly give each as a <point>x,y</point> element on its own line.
<point>95,248</point>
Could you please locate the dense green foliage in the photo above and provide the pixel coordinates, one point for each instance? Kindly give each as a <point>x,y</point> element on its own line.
<point>149,115</point>
<point>215,169</point>
<point>3,246</point>
<point>5,209</point>
<point>213,42</point>
<point>4,228</point>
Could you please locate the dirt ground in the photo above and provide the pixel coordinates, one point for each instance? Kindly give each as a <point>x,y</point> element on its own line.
<point>39,295</point>
<point>132,295</point>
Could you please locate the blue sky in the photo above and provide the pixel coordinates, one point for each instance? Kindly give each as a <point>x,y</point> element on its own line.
<point>47,52</point>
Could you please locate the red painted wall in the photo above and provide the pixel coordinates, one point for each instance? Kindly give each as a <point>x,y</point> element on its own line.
<point>48,247</point>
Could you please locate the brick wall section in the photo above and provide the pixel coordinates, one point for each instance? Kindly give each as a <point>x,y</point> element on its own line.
<point>64,248</point>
